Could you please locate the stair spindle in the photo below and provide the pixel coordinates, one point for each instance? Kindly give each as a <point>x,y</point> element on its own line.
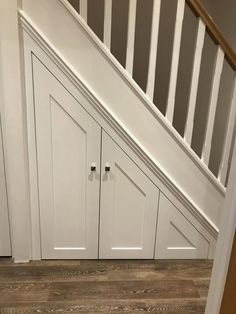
<point>213,105</point>
<point>153,48</point>
<point>131,36</point>
<point>84,9</point>
<point>175,60</point>
<point>195,80</point>
<point>107,23</point>
<point>228,138</point>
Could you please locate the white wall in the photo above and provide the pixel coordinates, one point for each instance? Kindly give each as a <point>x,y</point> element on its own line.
<point>13,125</point>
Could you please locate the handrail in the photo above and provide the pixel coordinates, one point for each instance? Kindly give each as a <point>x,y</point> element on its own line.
<point>213,30</point>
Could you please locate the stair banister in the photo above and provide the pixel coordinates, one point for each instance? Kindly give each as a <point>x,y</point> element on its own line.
<point>213,30</point>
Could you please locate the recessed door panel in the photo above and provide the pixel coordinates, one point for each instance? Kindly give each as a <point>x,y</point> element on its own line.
<point>68,144</point>
<point>176,237</point>
<point>128,206</point>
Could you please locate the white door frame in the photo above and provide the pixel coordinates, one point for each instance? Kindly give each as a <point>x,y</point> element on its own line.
<point>224,244</point>
<point>14,130</point>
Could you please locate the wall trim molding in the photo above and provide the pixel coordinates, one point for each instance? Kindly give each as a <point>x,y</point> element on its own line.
<point>117,126</point>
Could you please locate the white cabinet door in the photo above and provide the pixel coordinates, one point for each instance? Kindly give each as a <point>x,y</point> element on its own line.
<point>128,210</point>
<point>68,143</point>
<point>176,237</point>
<point>5,245</point>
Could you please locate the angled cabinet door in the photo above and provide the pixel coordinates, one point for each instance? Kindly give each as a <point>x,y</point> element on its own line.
<point>5,244</point>
<point>176,237</point>
<point>128,209</point>
<point>68,144</point>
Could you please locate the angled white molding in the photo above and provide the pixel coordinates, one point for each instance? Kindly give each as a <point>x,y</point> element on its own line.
<point>117,126</point>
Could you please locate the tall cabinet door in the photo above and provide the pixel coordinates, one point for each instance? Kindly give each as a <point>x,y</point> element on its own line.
<point>68,144</point>
<point>5,244</point>
<point>129,202</point>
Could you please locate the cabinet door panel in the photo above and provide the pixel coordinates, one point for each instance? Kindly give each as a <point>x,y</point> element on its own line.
<point>176,237</point>
<point>68,142</point>
<point>128,206</point>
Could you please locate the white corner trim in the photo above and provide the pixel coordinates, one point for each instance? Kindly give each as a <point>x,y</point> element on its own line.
<point>143,97</point>
<point>67,69</point>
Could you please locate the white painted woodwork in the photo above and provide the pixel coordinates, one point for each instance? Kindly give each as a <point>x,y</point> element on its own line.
<point>213,105</point>
<point>175,60</point>
<point>176,237</point>
<point>228,138</point>
<point>83,9</point>
<point>194,82</point>
<point>224,243</point>
<point>129,202</point>
<point>153,48</point>
<point>117,97</point>
<point>94,107</point>
<point>68,142</point>
<point>131,36</point>
<point>5,243</point>
<point>13,121</point>
<point>107,23</point>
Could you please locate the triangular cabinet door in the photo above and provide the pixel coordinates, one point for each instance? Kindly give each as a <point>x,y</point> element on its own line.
<point>68,145</point>
<point>129,202</point>
<point>176,237</point>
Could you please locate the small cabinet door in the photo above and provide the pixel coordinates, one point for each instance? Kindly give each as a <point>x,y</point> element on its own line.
<point>5,244</point>
<point>68,144</point>
<point>176,237</point>
<point>128,210</point>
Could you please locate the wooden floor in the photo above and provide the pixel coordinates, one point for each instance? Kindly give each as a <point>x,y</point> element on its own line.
<point>170,287</point>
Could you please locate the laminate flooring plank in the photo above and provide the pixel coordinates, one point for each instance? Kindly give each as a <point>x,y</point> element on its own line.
<point>170,307</point>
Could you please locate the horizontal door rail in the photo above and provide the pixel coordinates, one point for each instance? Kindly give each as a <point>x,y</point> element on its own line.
<point>213,30</point>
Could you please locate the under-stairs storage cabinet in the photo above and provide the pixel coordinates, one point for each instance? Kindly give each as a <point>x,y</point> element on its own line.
<point>94,201</point>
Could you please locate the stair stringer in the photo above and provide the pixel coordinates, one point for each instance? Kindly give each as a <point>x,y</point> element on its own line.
<point>153,143</point>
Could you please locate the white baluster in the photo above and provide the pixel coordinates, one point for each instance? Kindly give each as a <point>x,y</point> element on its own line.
<point>107,23</point>
<point>194,82</point>
<point>131,36</point>
<point>175,60</point>
<point>153,48</point>
<point>212,106</point>
<point>228,138</point>
<point>83,9</point>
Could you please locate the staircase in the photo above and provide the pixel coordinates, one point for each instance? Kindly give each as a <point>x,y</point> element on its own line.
<point>137,35</point>
<point>162,75</point>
